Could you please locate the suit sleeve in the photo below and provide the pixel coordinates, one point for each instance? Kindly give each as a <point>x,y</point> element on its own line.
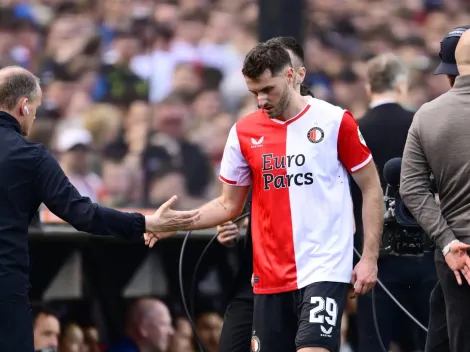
<point>352,149</point>
<point>234,169</point>
<point>63,199</point>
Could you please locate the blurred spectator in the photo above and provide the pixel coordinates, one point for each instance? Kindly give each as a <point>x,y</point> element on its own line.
<point>46,327</point>
<point>92,339</point>
<point>182,340</point>
<point>72,339</point>
<point>209,327</point>
<point>168,149</point>
<point>116,83</point>
<point>74,148</point>
<point>148,327</point>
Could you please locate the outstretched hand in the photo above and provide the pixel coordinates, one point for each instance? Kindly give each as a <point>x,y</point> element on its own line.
<point>166,221</point>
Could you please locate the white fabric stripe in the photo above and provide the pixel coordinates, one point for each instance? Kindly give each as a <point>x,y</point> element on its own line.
<point>321,212</point>
<point>361,165</point>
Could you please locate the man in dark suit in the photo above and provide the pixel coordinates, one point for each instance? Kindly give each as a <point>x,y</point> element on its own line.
<point>29,176</point>
<point>410,279</point>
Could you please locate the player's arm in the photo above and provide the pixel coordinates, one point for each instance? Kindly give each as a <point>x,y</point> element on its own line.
<point>235,173</point>
<point>372,209</point>
<point>222,209</point>
<point>357,159</point>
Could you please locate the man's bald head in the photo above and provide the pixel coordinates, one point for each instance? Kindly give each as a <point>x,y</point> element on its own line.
<point>20,95</point>
<point>17,83</point>
<point>149,323</point>
<point>462,53</point>
<point>143,308</point>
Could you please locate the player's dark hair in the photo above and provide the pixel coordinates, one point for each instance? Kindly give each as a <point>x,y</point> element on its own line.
<point>264,56</point>
<point>305,90</point>
<point>289,43</point>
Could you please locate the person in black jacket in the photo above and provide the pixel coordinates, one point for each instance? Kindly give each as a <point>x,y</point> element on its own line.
<point>29,176</point>
<point>238,320</point>
<point>410,279</point>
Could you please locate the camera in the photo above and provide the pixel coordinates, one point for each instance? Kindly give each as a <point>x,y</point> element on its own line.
<point>402,235</point>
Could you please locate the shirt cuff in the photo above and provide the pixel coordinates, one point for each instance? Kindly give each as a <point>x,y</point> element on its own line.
<point>444,238</point>
<point>139,226</point>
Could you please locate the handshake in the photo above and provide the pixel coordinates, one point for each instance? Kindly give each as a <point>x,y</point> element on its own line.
<point>166,221</point>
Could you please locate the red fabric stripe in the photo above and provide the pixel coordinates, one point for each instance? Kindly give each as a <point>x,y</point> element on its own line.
<point>273,242</point>
<point>227,181</point>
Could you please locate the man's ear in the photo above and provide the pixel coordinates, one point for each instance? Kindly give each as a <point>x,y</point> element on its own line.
<point>301,73</point>
<point>23,107</point>
<point>290,75</point>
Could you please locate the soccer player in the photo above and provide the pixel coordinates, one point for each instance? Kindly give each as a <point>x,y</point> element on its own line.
<point>296,152</point>
<point>238,319</point>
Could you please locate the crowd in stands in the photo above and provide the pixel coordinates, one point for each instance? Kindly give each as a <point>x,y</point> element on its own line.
<point>139,95</point>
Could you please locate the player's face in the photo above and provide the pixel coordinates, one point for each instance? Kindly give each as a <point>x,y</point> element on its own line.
<point>272,92</point>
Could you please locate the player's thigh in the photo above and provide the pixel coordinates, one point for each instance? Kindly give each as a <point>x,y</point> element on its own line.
<point>237,328</point>
<point>321,309</point>
<point>274,323</point>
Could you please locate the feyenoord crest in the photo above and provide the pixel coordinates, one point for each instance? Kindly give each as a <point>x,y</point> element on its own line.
<point>315,135</point>
<point>255,344</point>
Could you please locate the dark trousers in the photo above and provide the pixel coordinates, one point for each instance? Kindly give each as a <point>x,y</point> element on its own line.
<point>456,300</point>
<point>237,328</point>
<point>16,327</point>
<point>411,281</point>
<point>438,338</point>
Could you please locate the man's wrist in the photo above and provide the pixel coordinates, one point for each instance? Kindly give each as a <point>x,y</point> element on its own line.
<point>446,248</point>
<point>370,256</point>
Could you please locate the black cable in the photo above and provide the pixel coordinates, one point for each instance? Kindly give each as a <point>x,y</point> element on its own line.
<point>376,321</point>
<point>374,312</point>
<point>192,292</point>
<point>180,272</point>
<point>183,299</point>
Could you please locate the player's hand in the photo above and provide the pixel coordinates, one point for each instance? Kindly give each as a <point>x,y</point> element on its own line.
<point>152,237</point>
<point>167,220</point>
<point>458,261</point>
<point>364,276</point>
<point>228,234</point>
<point>252,280</point>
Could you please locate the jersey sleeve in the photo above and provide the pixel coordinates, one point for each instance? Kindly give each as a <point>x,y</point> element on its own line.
<point>234,169</point>
<point>352,149</point>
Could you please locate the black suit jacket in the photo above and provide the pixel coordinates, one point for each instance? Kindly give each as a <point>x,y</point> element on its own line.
<point>384,129</point>
<point>29,176</point>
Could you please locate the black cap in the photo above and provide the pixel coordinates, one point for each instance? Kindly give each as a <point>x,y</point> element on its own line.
<point>448,65</point>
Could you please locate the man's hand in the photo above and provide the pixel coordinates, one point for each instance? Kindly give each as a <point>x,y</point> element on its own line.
<point>252,279</point>
<point>458,261</point>
<point>152,237</point>
<point>228,234</point>
<point>364,276</point>
<point>166,221</point>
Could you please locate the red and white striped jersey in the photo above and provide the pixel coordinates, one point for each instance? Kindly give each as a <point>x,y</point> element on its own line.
<point>302,216</point>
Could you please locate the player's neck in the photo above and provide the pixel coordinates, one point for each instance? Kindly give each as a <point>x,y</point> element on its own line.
<point>295,107</point>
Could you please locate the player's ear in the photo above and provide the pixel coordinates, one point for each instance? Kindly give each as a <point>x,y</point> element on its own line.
<point>290,75</point>
<point>301,73</point>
